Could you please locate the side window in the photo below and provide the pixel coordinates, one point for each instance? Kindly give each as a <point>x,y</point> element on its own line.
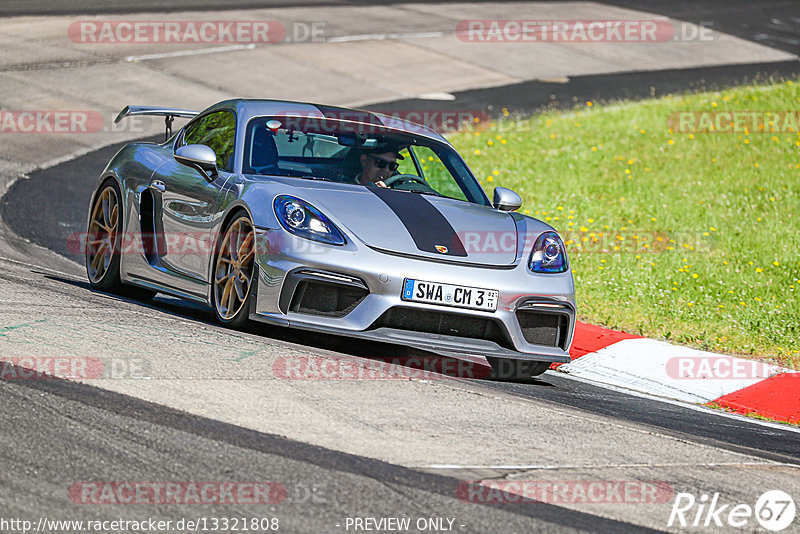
<point>406,165</point>
<point>436,174</point>
<point>218,131</point>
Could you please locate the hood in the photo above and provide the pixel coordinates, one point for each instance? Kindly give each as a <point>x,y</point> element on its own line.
<point>421,225</point>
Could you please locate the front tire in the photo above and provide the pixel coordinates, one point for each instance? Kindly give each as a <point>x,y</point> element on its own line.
<point>103,245</point>
<point>234,266</point>
<point>509,369</point>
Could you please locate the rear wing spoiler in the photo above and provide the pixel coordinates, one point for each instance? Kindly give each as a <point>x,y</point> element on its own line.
<point>169,114</point>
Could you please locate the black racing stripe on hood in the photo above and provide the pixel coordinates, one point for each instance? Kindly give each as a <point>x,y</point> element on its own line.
<point>426,225</point>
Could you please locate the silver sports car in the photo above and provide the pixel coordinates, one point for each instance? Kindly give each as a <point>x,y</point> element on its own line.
<point>334,220</point>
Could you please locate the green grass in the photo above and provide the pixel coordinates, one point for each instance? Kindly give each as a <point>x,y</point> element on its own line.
<point>694,239</point>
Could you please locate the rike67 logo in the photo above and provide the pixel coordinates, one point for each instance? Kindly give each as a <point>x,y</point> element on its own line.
<point>774,510</point>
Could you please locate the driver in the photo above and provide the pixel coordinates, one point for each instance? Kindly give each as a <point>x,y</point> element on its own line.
<point>377,165</point>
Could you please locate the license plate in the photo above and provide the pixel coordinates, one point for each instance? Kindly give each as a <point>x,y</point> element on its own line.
<point>474,298</point>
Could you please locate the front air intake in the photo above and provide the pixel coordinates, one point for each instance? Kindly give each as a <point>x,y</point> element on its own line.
<point>314,297</point>
<point>448,324</point>
<point>544,328</point>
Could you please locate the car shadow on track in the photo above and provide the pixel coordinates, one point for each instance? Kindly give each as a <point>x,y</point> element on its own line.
<point>384,360</point>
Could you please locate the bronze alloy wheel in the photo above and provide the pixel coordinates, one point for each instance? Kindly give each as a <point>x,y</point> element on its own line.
<point>103,257</point>
<point>100,243</point>
<point>234,269</point>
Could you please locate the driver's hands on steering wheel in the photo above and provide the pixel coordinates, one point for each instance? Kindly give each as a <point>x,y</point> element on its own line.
<point>399,179</point>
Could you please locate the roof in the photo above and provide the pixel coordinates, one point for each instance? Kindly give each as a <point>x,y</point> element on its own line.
<point>248,108</point>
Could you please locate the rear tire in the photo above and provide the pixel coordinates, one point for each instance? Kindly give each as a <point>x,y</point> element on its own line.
<point>103,245</point>
<point>510,369</point>
<point>234,268</point>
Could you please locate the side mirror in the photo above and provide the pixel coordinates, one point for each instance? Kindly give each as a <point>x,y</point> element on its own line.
<point>198,156</point>
<point>506,199</point>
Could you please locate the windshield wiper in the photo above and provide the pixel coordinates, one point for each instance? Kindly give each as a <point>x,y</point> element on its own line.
<point>434,193</point>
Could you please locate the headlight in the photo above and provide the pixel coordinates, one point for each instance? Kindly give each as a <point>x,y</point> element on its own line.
<point>303,219</point>
<point>549,254</point>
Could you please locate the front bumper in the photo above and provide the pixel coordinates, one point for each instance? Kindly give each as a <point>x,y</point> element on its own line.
<point>281,256</point>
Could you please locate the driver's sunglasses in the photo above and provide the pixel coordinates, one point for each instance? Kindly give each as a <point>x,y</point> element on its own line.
<point>382,163</point>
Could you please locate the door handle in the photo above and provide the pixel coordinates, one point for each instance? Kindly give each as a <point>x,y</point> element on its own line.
<point>158,184</point>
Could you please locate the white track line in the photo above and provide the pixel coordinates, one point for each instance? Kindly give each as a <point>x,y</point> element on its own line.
<point>201,51</point>
<point>232,48</point>
<point>383,36</point>
<point>605,466</point>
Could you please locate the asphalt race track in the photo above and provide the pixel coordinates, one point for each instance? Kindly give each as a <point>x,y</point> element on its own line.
<point>72,182</point>
<point>209,407</point>
<point>144,441</point>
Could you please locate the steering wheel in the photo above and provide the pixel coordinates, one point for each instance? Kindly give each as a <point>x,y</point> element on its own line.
<point>399,179</point>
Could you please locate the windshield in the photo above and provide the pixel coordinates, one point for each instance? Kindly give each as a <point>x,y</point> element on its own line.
<point>342,152</point>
